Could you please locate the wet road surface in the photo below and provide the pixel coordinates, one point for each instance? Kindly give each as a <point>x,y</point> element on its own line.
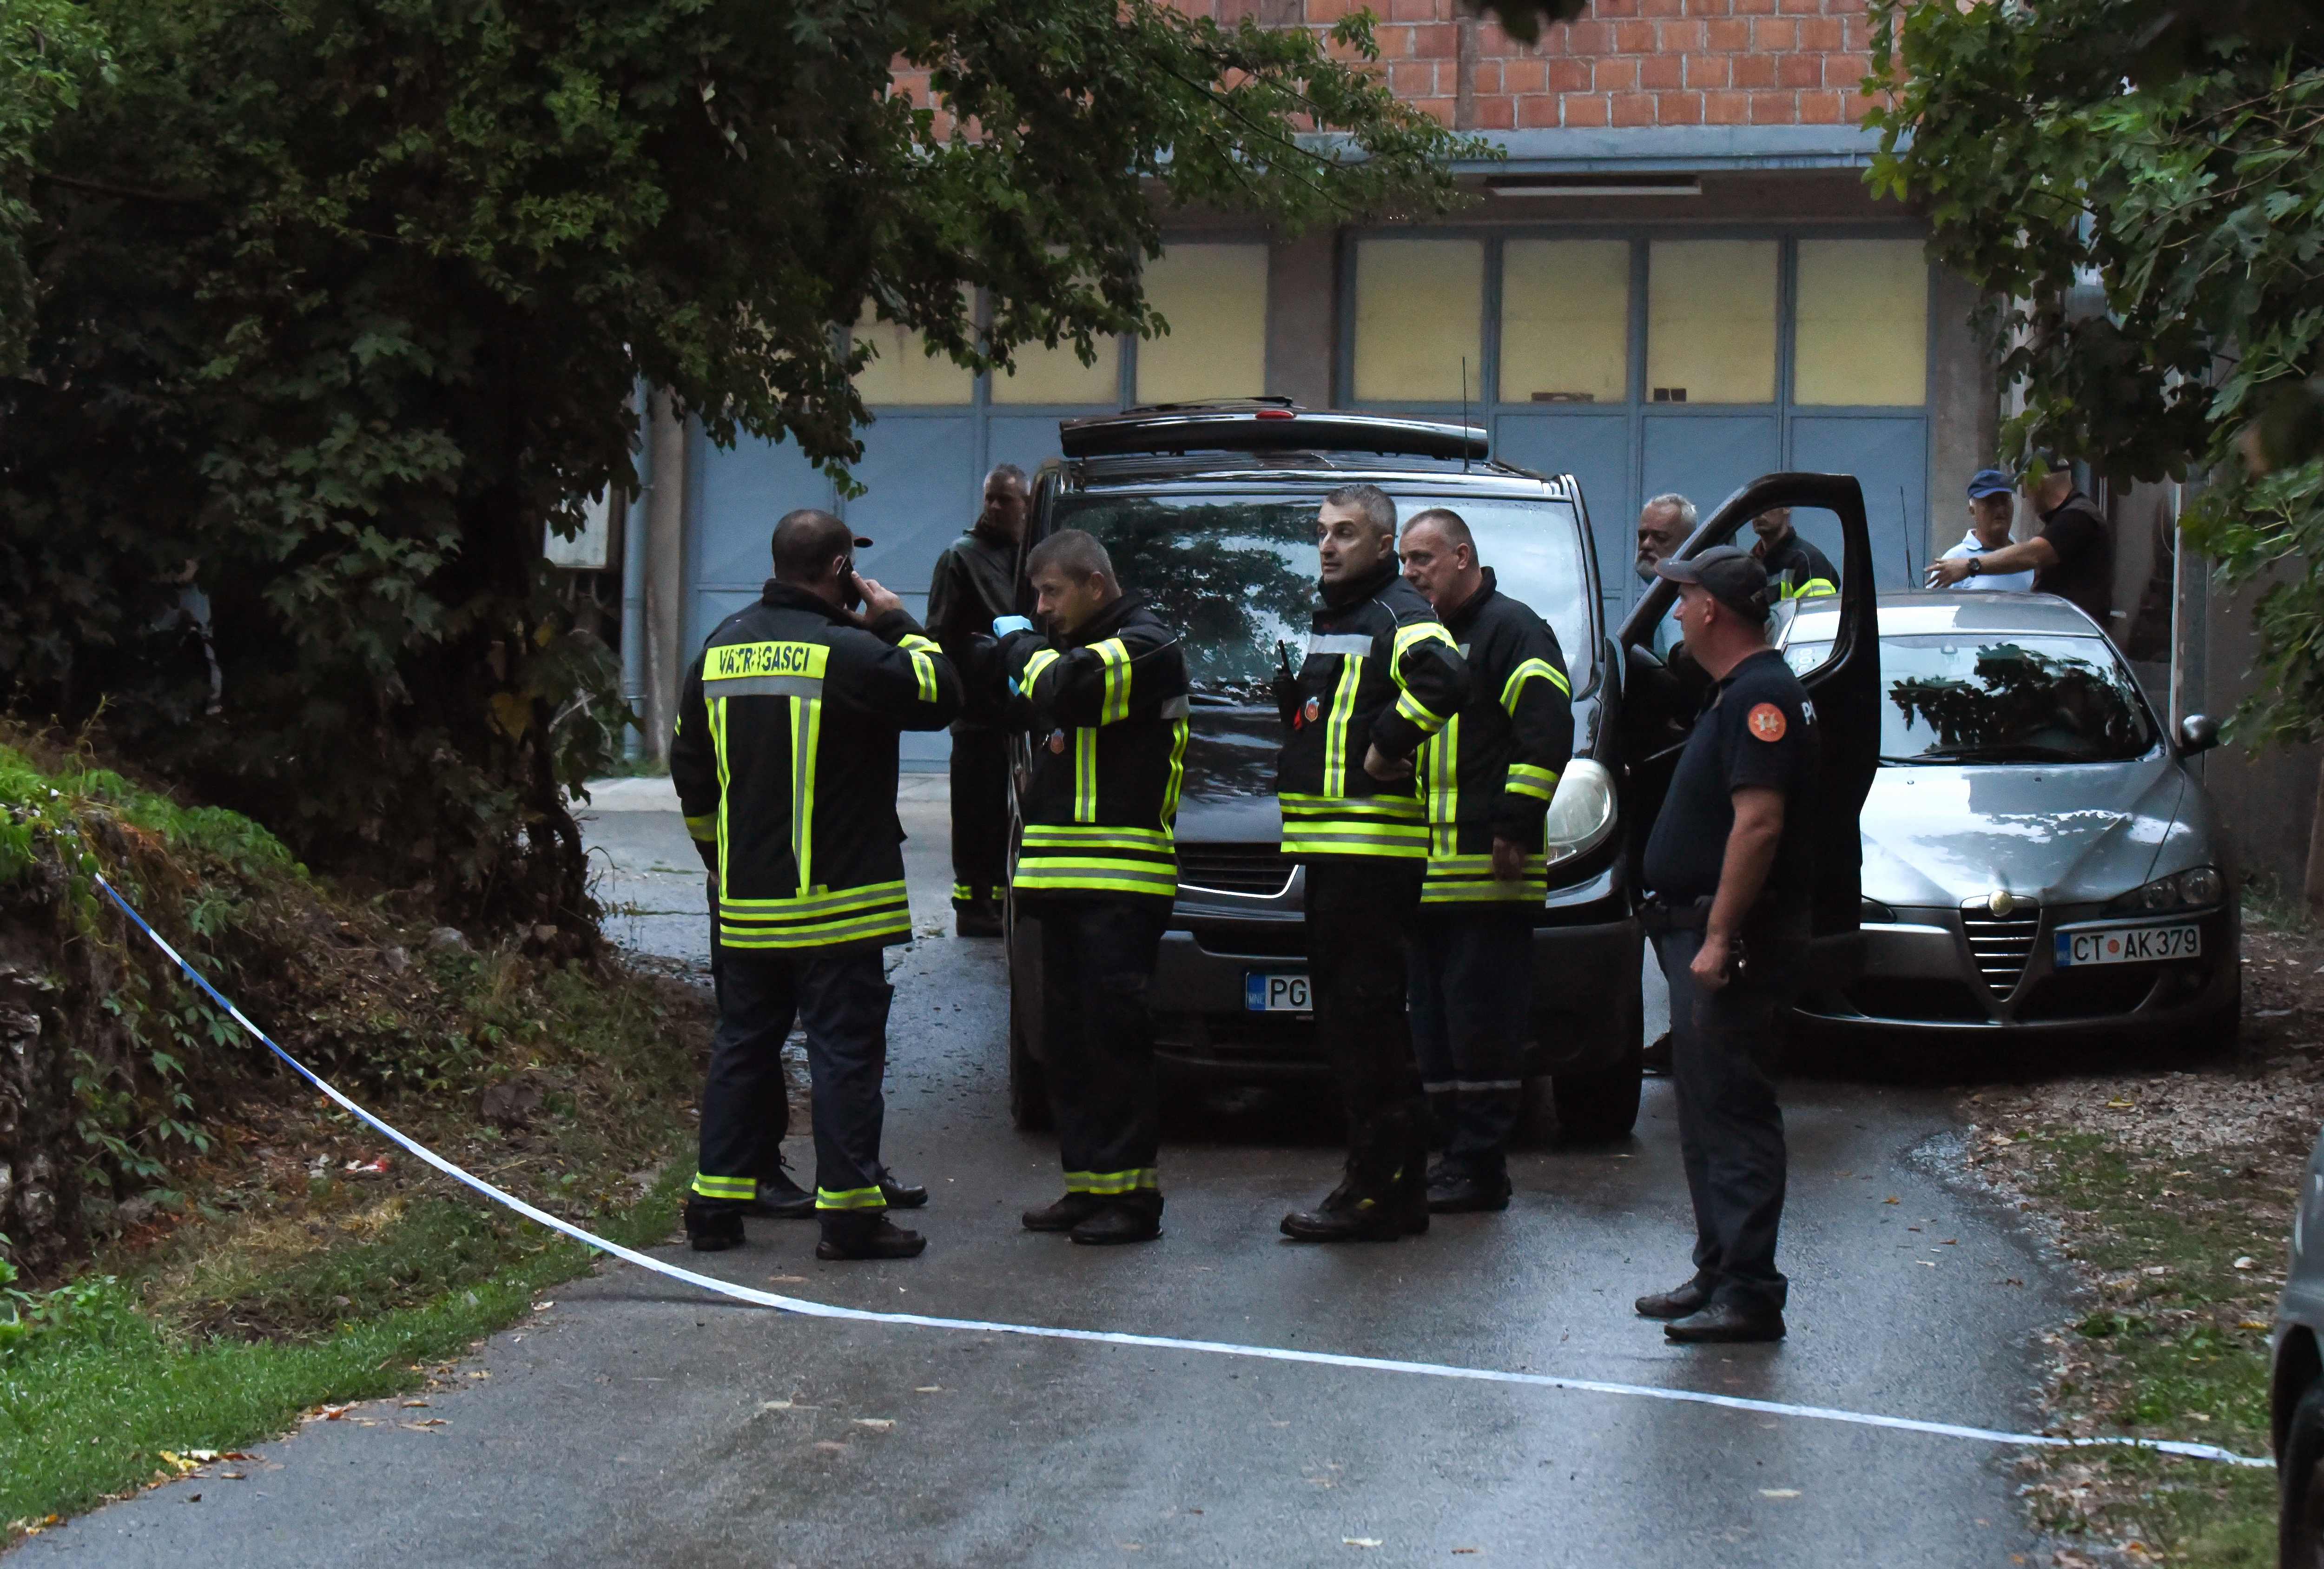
<point>637,1422</point>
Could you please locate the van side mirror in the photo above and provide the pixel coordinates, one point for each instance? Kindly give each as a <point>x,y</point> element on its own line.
<point>2197,732</point>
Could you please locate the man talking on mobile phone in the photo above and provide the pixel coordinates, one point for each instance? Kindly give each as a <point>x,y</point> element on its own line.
<point>1729,874</point>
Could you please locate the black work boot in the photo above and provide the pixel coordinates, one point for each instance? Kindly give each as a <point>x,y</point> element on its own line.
<point>1134,1217</point>
<point>1460,1187</point>
<point>867,1234</point>
<point>780,1198</point>
<point>712,1227</point>
<point>979,917</point>
<point>1441,1105</point>
<point>1675,1303</point>
<point>899,1193</point>
<point>1375,1200</point>
<point>1064,1214</point>
<point>1726,1324</point>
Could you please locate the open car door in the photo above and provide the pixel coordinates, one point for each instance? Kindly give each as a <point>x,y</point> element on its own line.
<point>1664,694</point>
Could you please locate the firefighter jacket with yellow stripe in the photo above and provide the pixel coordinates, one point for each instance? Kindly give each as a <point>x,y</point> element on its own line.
<point>1490,771</point>
<point>1380,671</point>
<point>1797,570</point>
<point>1107,707</point>
<point>785,765</point>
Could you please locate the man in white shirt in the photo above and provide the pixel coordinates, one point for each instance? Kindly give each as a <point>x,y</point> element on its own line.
<point>1992,502</point>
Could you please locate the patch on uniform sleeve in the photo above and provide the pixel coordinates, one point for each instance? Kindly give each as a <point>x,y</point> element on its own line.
<point>1312,711</point>
<point>1767,721</point>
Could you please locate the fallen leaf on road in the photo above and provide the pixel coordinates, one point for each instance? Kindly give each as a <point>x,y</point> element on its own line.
<point>877,1424</point>
<point>1779,1493</point>
<point>1892,1199</point>
<point>425,1422</point>
<point>1924,1263</point>
<point>832,1444</point>
<point>774,1405</point>
<point>2243,1263</point>
<point>2120,1104</point>
<point>415,1405</point>
<point>789,1279</point>
<point>232,1475</point>
<point>927,1389</point>
<point>2251,1324</point>
<point>1361,1541</point>
<point>542,1307</point>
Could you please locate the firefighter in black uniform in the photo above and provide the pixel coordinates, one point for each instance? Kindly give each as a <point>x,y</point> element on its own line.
<point>1489,774</point>
<point>1104,693</point>
<point>785,765</point>
<point>1729,873</point>
<point>1795,568</point>
<point>976,581</point>
<point>1381,675</point>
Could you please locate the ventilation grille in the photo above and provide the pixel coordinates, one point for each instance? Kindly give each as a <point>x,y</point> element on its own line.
<point>1252,871</point>
<point>2002,943</point>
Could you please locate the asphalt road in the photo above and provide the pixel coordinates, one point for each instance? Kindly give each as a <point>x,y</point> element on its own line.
<point>636,1423</point>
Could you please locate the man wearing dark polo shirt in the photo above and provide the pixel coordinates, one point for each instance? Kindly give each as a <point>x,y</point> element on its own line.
<point>2072,557</point>
<point>1729,872</point>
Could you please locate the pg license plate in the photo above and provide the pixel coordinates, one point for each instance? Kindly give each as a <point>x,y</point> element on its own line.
<point>2123,944</point>
<point>1279,993</point>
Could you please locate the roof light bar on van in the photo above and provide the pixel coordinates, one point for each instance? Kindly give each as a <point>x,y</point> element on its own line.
<point>1250,425</point>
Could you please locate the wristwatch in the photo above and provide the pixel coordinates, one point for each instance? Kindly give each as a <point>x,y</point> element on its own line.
<point>1976,567</point>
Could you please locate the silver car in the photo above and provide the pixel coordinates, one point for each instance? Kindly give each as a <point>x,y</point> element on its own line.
<point>2039,858</point>
<point>2296,1384</point>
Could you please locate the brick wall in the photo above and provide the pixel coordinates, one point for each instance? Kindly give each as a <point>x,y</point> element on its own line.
<point>1625,63</point>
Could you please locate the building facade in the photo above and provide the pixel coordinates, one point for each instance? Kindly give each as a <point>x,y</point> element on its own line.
<point>1673,279</point>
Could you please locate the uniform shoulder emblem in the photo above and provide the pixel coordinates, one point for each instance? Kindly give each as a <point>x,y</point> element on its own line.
<point>1766,722</point>
<point>1807,709</point>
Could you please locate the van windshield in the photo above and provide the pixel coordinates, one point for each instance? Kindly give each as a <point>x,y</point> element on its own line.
<point>1237,575</point>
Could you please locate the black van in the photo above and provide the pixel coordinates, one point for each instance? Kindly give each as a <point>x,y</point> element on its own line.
<point>1210,510</point>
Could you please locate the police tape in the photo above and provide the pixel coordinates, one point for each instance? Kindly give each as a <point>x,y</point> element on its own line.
<point>810,1310</point>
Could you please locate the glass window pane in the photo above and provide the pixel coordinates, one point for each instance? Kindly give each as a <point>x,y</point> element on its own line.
<point>1214,298</point>
<point>1566,321</point>
<point>1863,332</point>
<point>1057,376</point>
<point>1711,321</point>
<point>1420,307</point>
<point>902,372</point>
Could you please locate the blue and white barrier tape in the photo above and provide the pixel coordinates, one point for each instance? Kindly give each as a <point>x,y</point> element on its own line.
<point>728,1288</point>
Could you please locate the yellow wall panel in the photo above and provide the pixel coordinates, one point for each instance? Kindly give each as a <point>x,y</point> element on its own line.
<point>1420,307</point>
<point>1863,332</point>
<point>902,372</point>
<point>1214,298</point>
<point>1710,320</point>
<point>1566,321</point>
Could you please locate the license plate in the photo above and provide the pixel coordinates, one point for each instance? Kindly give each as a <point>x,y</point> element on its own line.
<point>1276,994</point>
<point>2123,944</point>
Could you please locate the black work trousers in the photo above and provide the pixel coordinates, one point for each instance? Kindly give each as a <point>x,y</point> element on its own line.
<point>1472,1015</point>
<point>1730,1131</point>
<point>1097,963</point>
<point>1360,913</point>
<point>773,1117</point>
<point>841,995</point>
<point>980,814</point>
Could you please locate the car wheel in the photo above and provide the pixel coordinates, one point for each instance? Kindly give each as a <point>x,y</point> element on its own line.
<point>2299,1525</point>
<point>1600,1105</point>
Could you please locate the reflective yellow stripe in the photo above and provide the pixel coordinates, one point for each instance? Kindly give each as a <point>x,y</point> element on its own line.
<point>1084,776</point>
<point>1813,588</point>
<point>1398,808</point>
<point>962,893</point>
<point>1037,665</point>
<point>877,911</point>
<point>1036,874</point>
<point>1130,1181</point>
<point>738,662</point>
<point>1527,671</point>
<point>825,903</point>
<point>717,706</point>
<point>1335,728</point>
<point>806,729</point>
<point>1114,654</point>
<point>741,1188</point>
<point>1177,771</point>
<point>1443,773</point>
<point>703,827</point>
<point>1418,712</point>
<point>1421,631</point>
<point>850,1198</point>
<point>1525,780</point>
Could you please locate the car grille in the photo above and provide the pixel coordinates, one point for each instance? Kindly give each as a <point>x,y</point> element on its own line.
<point>1255,870</point>
<point>1912,999</point>
<point>2096,992</point>
<point>2002,943</point>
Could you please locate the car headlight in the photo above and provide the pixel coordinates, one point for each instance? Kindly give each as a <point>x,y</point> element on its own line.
<point>2188,890</point>
<point>1871,910</point>
<point>1580,813</point>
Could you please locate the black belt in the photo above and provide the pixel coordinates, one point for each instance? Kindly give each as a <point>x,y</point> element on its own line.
<point>1658,915</point>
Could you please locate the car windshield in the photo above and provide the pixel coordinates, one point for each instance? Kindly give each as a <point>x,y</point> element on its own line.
<point>1238,573</point>
<point>2001,698</point>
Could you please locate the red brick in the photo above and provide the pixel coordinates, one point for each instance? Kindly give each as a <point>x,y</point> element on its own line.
<point>1441,42</point>
<point>1755,70</point>
<point>1854,107</point>
<point>1678,37</point>
<point>1409,80</point>
<point>1828,34</point>
<point>1726,108</point>
<point>1323,12</point>
<point>1567,75</point>
<point>1858,31</point>
<point>1800,71</point>
<point>1437,109</point>
<point>1615,8</point>
<point>1617,74</point>
<point>1414,10</point>
<point>1662,71</point>
<point>1586,109</point>
<point>1488,80</point>
<point>1634,37</point>
<point>1774,37</point>
<point>1678,108</point>
<point>1774,108</point>
<point>1497,114</point>
<point>1538,109</point>
<point>1845,71</point>
<point>1709,7</point>
<point>1588,38</point>
<point>1755,7</point>
<point>1526,76</point>
<point>1728,35</point>
<point>1819,108</point>
<point>1799,7</point>
<point>1633,109</point>
<point>1395,43</point>
<point>1663,8</point>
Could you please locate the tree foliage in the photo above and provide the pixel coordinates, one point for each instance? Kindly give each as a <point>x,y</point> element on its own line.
<point>347,302</point>
<point>2136,186</point>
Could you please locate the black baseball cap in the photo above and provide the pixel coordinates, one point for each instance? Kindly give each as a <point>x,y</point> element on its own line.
<point>1734,577</point>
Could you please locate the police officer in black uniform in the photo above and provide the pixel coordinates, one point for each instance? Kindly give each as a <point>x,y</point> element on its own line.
<point>1489,774</point>
<point>1381,675</point>
<point>1730,875</point>
<point>785,762</point>
<point>1104,693</point>
<point>974,582</point>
